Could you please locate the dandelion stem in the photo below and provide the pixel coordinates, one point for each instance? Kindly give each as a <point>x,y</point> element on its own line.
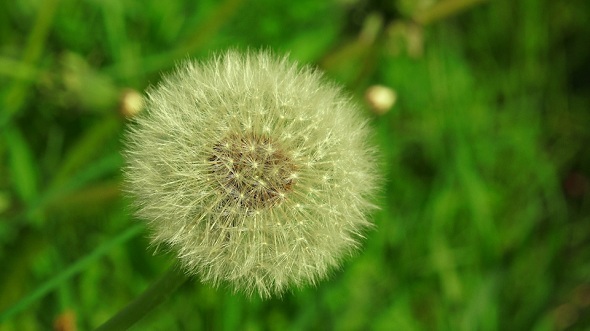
<point>148,300</point>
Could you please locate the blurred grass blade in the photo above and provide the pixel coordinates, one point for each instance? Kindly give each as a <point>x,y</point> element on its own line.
<point>104,166</point>
<point>15,96</point>
<point>17,70</point>
<point>77,267</point>
<point>444,9</point>
<point>205,32</point>
<point>87,147</point>
<point>23,168</point>
<point>147,301</point>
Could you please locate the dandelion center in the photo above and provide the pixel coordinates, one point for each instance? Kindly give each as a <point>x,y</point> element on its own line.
<point>253,171</point>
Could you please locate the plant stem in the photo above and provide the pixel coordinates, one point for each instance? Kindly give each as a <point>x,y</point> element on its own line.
<point>148,300</point>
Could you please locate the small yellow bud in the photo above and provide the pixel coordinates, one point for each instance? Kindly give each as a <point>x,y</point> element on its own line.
<point>380,98</point>
<point>131,103</point>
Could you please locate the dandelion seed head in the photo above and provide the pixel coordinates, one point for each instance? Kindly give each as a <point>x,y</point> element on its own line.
<point>255,170</point>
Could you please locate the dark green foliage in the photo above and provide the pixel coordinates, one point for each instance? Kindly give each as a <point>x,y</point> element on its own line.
<point>485,207</point>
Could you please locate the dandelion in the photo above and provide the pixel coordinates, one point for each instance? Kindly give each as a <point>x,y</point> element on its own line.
<point>255,170</point>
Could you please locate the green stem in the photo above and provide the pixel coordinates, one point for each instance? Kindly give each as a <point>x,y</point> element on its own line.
<point>148,300</point>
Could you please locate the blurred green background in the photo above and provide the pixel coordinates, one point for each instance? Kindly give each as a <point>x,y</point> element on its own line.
<point>485,218</point>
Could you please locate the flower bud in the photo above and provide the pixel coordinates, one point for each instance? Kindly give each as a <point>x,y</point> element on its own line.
<point>131,103</point>
<point>380,98</point>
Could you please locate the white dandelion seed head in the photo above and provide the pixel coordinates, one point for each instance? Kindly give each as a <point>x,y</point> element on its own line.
<point>255,170</point>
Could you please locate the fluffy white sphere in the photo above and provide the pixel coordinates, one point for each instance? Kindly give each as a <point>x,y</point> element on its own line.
<point>254,169</point>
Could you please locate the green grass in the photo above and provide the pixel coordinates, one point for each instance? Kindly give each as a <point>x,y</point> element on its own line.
<point>485,207</point>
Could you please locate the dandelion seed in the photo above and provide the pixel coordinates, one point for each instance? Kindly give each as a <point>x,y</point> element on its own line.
<point>256,156</point>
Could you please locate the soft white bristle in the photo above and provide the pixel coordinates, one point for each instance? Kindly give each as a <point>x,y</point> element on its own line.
<point>255,170</point>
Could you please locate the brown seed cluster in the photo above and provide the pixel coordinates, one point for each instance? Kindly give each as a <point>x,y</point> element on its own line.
<point>253,171</point>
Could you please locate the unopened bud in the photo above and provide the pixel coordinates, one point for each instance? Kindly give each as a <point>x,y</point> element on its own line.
<point>380,98</point>
<point>131,103</point>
